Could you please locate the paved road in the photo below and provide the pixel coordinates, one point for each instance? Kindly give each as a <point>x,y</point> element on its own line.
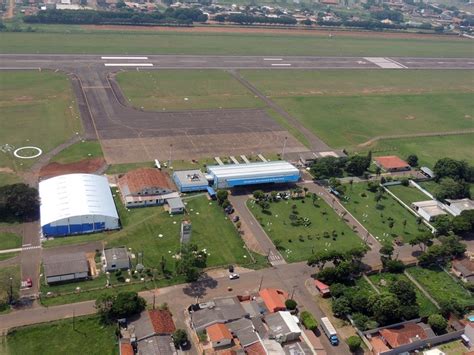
<point>112,63</point>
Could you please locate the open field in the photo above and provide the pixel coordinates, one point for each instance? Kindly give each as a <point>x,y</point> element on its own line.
<point>9,241</point>
<point>455,347</point>
<point>298,243</point>
<point>428,149</point>
<point>362,205</point>
<point>5,256</point>
<point>86,335</point>
<point>185,90</point>
<point>363,104</point>
<point>408,194</point>
<point>440,285</point>
<point>167,42</point>
<point>426,307</point>
<point>79,151</point>
<point>8,179</point>
<point>42,104</point>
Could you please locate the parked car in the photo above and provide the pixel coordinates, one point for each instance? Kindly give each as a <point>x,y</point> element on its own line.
<point>28,282</point>
<point>236,219</point>
<point>234,276</point>
<point>229,210</point>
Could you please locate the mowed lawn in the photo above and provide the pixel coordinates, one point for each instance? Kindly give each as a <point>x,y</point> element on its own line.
<point>73,39</point>
<point>6,273</point>
<point>38,109</point>
<point>441,286</point>
<point>87,335</point>
<point>361,204</point>
<point>185,89</point>
<point>9,241</point>
<point>428,149</point>
<point>408,194</point>
<point>300,242</point>
<point>79,151</point>
<point>8,179</point>
<point>363,104</point>
<point>426,306</point>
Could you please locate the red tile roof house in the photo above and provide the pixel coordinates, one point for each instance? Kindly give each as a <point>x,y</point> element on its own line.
<point>219,335</point>
<point>392,163</point>
<point>274,299</point>
<point>162,321</point>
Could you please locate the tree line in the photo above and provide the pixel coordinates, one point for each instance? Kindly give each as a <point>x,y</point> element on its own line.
<point>126,17</point>
<point>244,19</point>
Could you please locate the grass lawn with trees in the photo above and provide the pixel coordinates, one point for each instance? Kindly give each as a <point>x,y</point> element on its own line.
<point>78,39</point>
<point>428,149</point>
<point>79,151</point>
<point>426,306</point>
<point>361,203</point>
<point>408,194</point>
<point>185,90</point>
<point>298,243</point>
<point>64,337</point>
<point>6,273</point>
<point>363,104</point>
<point>440,285</point>
<point>9,241</point>
<point>42,104</point>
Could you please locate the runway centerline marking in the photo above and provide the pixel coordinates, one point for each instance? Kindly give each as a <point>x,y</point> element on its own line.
<point>128,64</point>
<point>125,58</point>
<point>272,58</point>
<point>281,64</point>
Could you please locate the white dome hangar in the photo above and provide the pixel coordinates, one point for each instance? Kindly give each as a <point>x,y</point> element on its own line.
<point>76,204</point>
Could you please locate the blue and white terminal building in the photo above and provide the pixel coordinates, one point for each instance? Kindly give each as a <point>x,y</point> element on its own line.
<point>76,204</point>
<point>233,175</point>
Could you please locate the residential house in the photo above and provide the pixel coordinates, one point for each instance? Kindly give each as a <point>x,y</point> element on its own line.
<point>283,326</point>
<point>274,299</point>
<point>392,163</point>
<point>115,259</point>
<point>464,269</point>
<point>219,335</point>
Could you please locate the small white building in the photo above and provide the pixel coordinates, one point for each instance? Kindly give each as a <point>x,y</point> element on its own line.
<point>175,205</point>
<point>283,326</point>
<point>455,207</point>
<point>429,210</point>
<point>115,259</point>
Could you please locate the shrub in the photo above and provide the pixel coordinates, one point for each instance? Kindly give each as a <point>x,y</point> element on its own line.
<point>437,323</point>
<point>290,304</point>
<point>394,266</point>
<point>354,343</point>
<point>309,321</point>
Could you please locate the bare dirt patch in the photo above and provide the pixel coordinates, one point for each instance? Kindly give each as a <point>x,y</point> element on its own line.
<point>410,118</point>
<point>6,170</point>
<point>259,30</point>
<point>83,166</point>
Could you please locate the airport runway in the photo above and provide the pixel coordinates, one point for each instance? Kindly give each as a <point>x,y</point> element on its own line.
<point>112,63</point>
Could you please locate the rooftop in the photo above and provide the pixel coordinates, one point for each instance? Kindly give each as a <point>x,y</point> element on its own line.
<point>255,349</point>
<point>281,323</point>
<point>175,203</point>
<point>431,207</point>
<point>391,162</point>
<point>464,204</point>
<point>162,321</point>
<point>403,334</point>
<point>135,181</point>
<point>119,253</point>
<point>252,169</point>
<point>274,299</point>
<point>465,266</point>
<point>191,177</point>
<point>218,332</point>
<point>224,310</point>
<point>63,264</point>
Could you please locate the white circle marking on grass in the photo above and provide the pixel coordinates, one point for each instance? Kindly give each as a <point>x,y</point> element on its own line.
<point>16,152</point>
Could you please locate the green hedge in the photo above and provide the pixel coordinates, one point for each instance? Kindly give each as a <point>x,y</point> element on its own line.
<point>308,320</point>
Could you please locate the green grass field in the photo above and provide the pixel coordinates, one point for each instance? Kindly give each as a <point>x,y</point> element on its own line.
<point>426,307</point>
<point>38,109</point>
<point>86,335</point>
<point>5,256</point>
<point>185,89</point>
<point>376,220</point>
<point>428,149</point>
<point>299,242</point>
<point>79,151</point>
<point>6,273</point>
<point>408,194</point>
<point>363,104</point>
<point>74,39</point>
<point>9,241</point>
<point>8,179</point>
<point>440,285</point>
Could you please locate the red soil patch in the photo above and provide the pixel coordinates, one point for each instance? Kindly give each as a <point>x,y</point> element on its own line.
<point>259,30</point>
<point>84,166</point>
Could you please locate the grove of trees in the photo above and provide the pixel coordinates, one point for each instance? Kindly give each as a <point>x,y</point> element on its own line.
<point>18,202</point>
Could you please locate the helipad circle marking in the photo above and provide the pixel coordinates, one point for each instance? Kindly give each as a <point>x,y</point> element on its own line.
<point>16,151</point>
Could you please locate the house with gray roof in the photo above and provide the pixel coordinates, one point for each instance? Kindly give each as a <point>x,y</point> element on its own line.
<point>115,259</point>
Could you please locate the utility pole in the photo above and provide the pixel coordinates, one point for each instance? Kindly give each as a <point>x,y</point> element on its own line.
<point>293,292</point>
<point>11,291</point>
<point>260,285</point>
<point>154,299</point>
<point>73,319</point>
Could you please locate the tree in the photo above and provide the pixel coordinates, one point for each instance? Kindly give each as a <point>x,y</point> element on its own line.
<point>437,323</point>
<point>122,305</point>
<point>404,290</point>
<point>452,306</point>
<point>337,290</point>
<point>450,188</point>
<point>341,307</point>
<point>222,196</point>
<point>386,308</point>
<point>190,262</point>
<point>452,168</point>
<point>394,266</point>
<point>378,170</point>
<point>290,304</point>
<point>442,224</point>
<point>18,202</point>
<point>180,337</point>
<point>423,240</point>
<point>258,195</point>
<point>354,343</point>
<point>357,165</point>
<point>412,160</point>
<point>387,250</point>
<point>120,4</point>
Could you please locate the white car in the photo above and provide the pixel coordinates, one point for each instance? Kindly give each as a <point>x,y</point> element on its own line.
<point>234,276</point>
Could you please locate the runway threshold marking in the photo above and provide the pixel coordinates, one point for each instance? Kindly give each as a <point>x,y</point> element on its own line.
<point>125,58</point>
<point>128,64</point>
<point>385,63</point>
<point>281,64</point>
